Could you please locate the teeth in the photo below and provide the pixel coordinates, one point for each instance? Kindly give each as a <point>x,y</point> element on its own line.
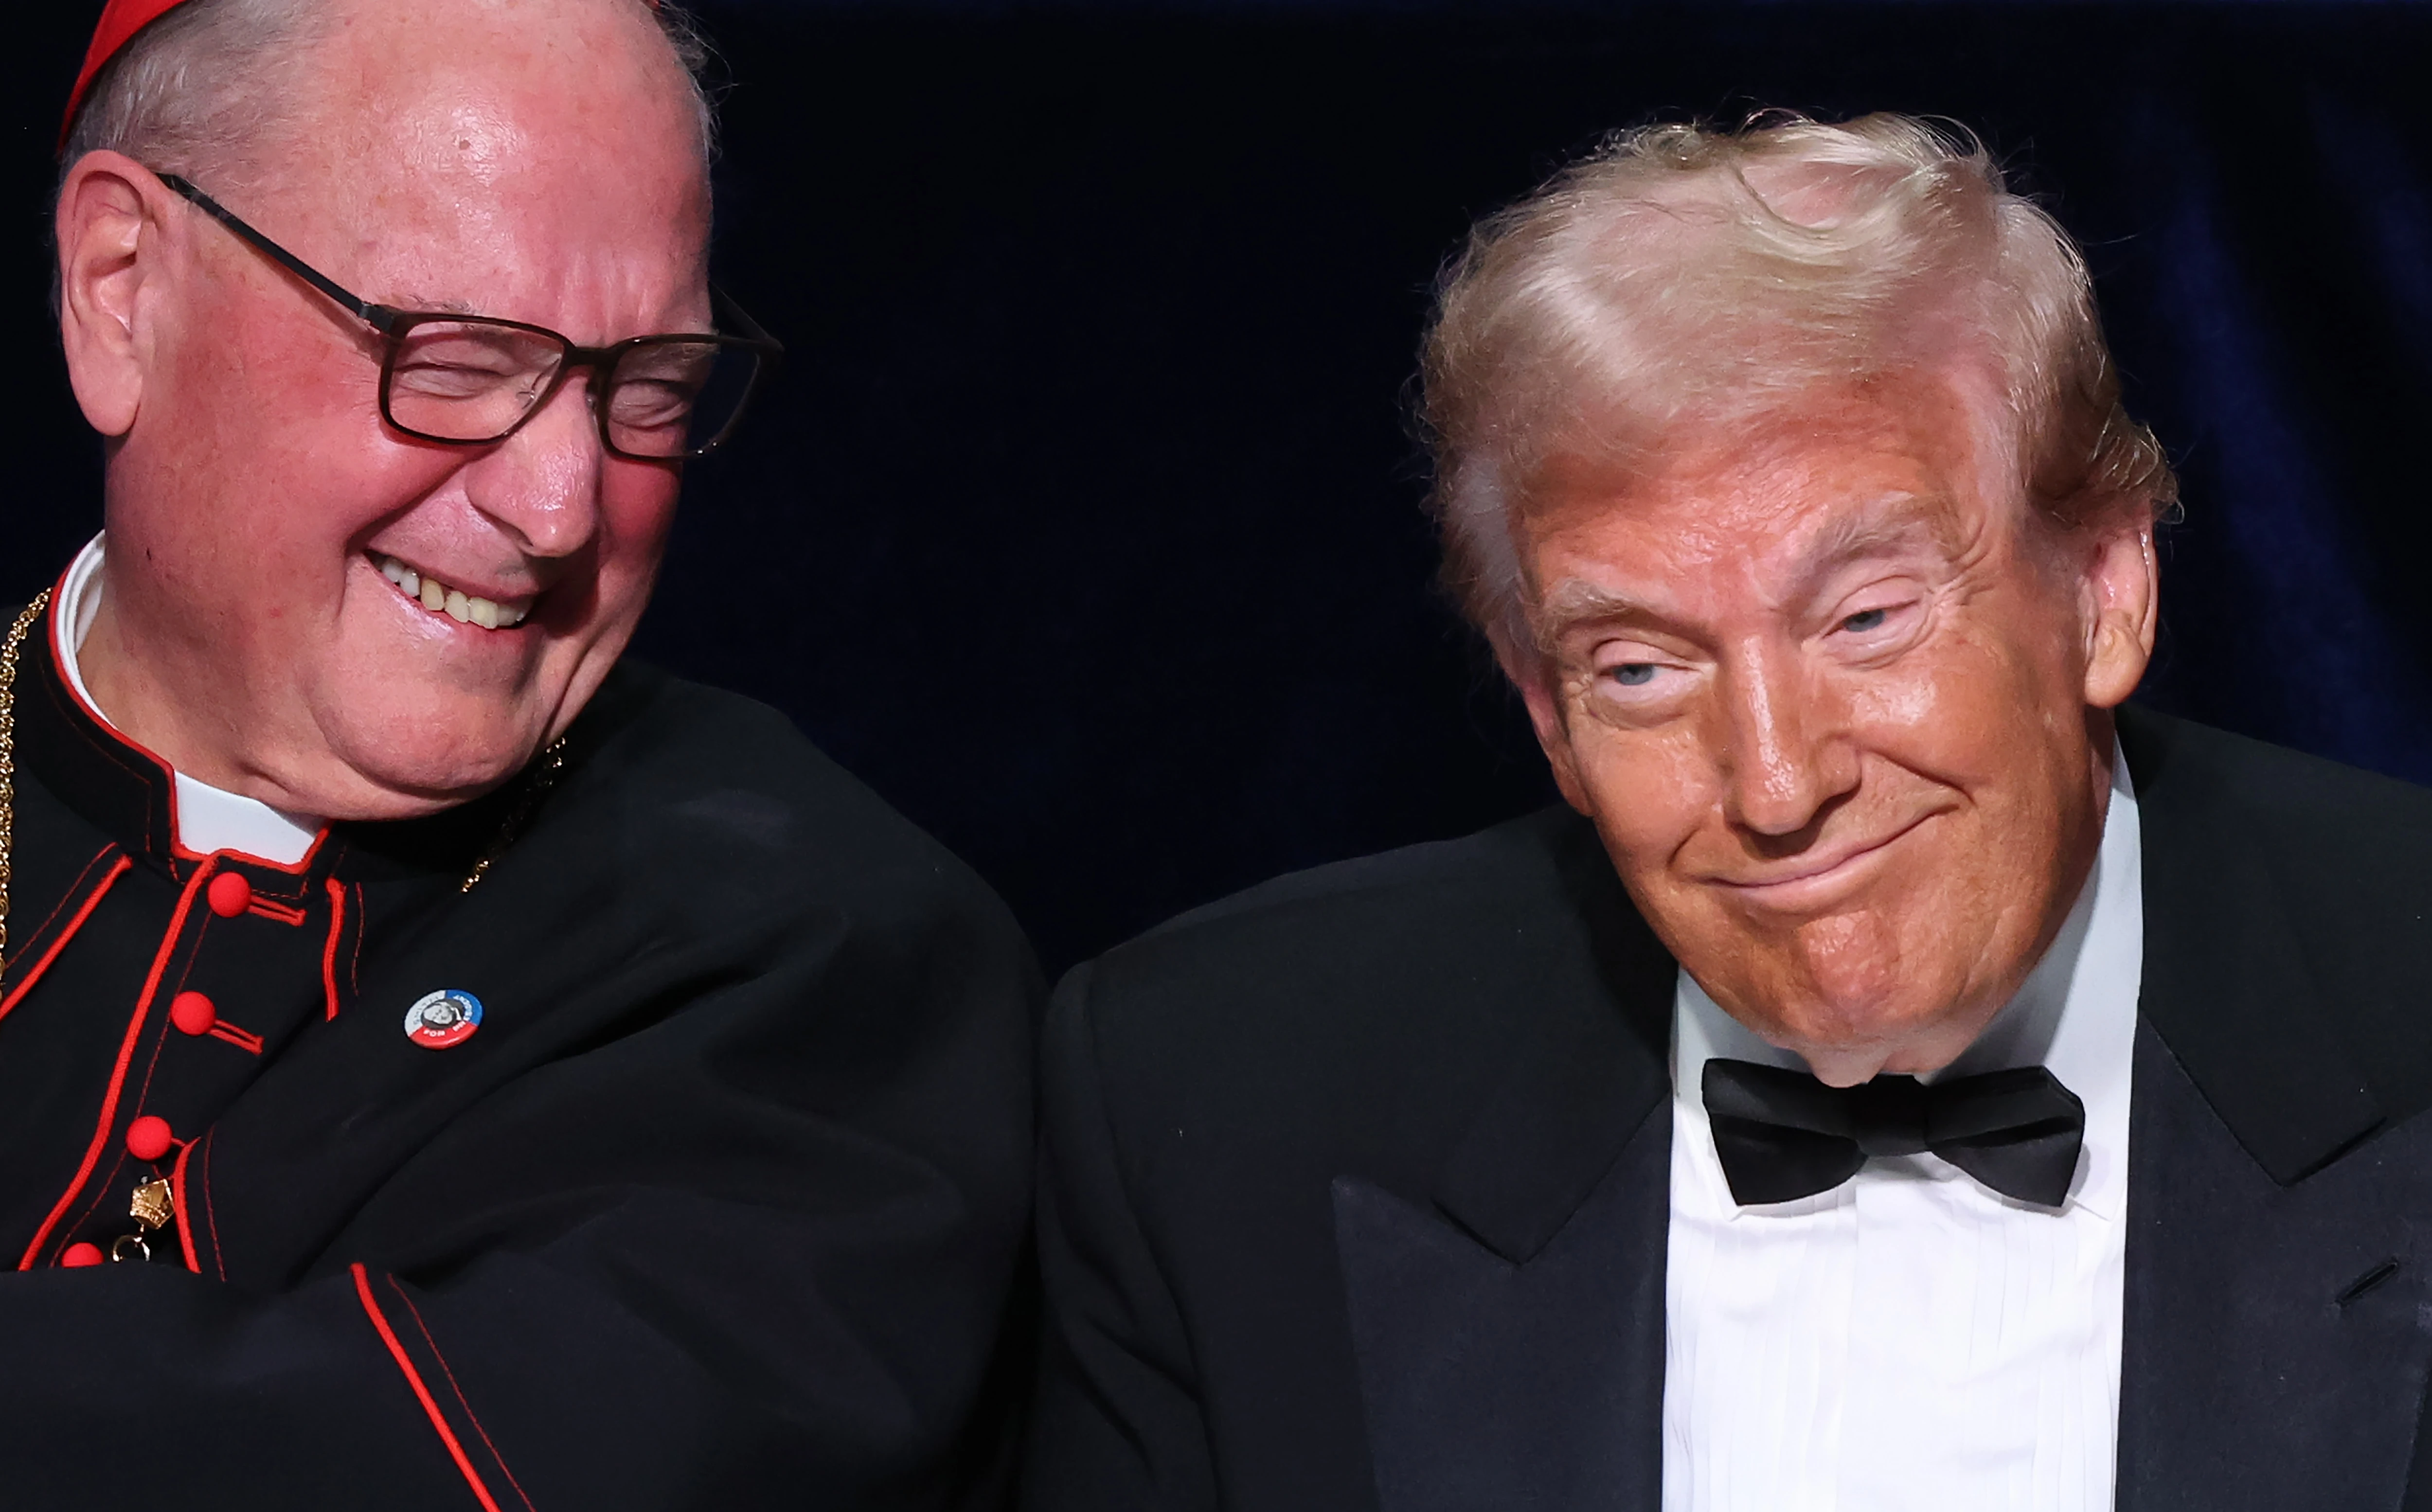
<point>455,603</point>
<point>401,575</point>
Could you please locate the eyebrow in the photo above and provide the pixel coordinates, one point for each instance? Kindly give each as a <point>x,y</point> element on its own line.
<point>439,307</point>
<point>1882,525</point>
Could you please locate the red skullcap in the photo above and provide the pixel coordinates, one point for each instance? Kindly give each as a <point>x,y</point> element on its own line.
<point>120,21</point>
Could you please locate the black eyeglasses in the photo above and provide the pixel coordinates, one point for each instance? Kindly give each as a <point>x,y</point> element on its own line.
<point>468,381</point>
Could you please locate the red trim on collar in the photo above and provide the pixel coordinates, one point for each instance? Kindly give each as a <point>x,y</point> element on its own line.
<point>51,624</point>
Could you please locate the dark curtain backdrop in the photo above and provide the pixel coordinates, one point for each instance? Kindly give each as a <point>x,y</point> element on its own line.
<point>1085,525</point>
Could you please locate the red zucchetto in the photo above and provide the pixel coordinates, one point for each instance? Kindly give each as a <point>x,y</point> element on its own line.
<point>120,21</point>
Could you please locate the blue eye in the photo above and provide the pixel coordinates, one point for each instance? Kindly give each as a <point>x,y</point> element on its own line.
<point>1866,620</point>
<point>1634,673</point>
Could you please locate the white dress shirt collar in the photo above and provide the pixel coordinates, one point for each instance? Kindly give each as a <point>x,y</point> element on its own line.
<point>209,818</point>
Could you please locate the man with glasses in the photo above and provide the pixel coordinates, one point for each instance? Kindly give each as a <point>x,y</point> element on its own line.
<point>440,1064</point>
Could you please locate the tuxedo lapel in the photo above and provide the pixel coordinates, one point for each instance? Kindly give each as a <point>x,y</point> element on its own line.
<point>2274,1348</point>
<point>1511,1336</point>
<point>1489,1384</point>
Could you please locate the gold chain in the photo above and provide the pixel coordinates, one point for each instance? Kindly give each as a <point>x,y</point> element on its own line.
<point>8,756</point>
<point>538,782</point>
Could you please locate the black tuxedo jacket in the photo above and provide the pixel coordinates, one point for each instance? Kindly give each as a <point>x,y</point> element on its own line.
<point>1356,1183</point>
<point>721,1205</point>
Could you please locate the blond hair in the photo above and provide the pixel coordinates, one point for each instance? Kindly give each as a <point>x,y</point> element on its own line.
<point>1681,276</point>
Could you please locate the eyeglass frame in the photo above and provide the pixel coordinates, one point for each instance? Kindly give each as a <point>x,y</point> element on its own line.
<point>391,325</point>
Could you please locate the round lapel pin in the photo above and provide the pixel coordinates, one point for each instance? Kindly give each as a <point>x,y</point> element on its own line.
<point>442,1018</point>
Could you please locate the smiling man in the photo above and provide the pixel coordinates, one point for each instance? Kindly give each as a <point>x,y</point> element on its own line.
<point>1901,1077</point>
<point>440,1064</point>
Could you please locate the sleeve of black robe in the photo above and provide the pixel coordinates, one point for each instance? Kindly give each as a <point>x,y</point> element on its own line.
<point>1116,1426</point>
<point>734,1218</point>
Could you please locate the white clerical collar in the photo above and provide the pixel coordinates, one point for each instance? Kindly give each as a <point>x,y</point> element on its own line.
<point>2076,1014</point>
<point>209,818</point>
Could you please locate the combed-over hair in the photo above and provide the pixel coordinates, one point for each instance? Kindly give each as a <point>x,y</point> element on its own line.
<point>1681,278</point>
<point>203,88</point>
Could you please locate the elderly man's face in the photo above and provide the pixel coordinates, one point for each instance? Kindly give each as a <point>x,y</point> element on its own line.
<point>1838,716</point>
<point>538,163</point>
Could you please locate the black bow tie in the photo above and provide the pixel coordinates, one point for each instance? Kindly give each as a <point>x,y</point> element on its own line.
<point>1784,1135</point>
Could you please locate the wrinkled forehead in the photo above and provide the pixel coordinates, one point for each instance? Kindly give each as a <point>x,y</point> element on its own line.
<point>1948,418</point>
<point>1768,499</point>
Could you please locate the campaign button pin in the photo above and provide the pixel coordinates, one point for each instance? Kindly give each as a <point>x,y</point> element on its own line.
<point>442,1018</point>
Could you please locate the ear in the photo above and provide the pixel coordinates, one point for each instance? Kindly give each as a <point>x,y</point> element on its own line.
<point>1534,674</point>
<point>109,230</point>
<point>2120,599</point>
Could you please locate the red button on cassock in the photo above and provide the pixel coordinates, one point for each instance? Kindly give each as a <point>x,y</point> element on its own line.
<point>192,1012</point>
<point>149,1137</point>
<point>80,1255</point>
<point>229,894</point>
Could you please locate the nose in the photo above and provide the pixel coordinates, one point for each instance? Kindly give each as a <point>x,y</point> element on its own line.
<point>543,482</point>
<point>1787,755</point>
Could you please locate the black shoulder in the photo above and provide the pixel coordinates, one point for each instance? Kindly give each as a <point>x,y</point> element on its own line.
<point>2234,827</point>
<point>1331,998</point>
<point>2326,832</point>
<point>719,793</point>
<point>2303,799</point>
<point>1442,898</point>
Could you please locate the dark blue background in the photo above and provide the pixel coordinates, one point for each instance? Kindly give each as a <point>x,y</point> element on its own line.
<point>1086,523</point>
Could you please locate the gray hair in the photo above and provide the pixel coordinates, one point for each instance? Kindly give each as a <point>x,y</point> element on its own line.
<point>1682,277</point>
<point>201,89</point>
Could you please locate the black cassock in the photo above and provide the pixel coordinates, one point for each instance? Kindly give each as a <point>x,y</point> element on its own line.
<point>721,1203</point>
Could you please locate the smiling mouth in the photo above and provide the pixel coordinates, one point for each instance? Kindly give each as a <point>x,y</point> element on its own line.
<point>436,597</point>
<point>1820,877</point>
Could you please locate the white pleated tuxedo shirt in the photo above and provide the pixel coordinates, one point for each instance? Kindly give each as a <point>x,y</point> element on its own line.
<point>1911,1341</point>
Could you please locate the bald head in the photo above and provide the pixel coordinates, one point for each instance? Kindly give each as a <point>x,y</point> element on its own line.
<point>209,88</point>
<point>465,124</point>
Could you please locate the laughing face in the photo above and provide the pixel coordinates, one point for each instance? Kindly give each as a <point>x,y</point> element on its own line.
<point>299,603</point>
<point>1838,707</point>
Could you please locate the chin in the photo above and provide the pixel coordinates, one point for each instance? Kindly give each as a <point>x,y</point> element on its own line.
<point>1847,995</point>
<point>401,774</point>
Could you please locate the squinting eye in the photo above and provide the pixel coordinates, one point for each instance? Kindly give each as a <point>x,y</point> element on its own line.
<point>1866,620</point>
<point>1634,673</point>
